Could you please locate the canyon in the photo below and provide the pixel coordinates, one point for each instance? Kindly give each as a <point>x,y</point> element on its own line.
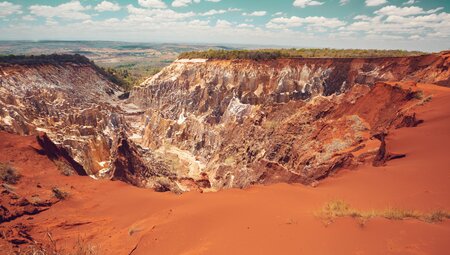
<point>214,124</point>
<point>209,125</point>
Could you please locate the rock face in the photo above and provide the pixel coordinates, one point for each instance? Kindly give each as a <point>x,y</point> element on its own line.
<point>73,102</point>
<point>213,124</point>
<point>290,120</point>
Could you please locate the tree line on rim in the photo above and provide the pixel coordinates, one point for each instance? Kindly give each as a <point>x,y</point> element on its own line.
<point>268,54</point>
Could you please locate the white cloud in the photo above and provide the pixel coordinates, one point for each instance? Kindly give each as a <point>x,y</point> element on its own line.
<point>213,12</point>
<point>223,24</point>
<point>399,11</point>
<point>183,3</point>
<point>29,18</point>
<point>255,13</point>
<point>362,17</point>
<point>243,25</point>
<point>410,2</point>
<point>156,15</point>
<point>304,3</point>
<point>312,21</point>
<point>160,27</point>
<point>344,2</point>
<point>375,2</point>
<point>277,14</point>
<point>71,10</point>
<point>393,27</point>
<point>404,11</point>
<point>406,25</point>
<point>50,22</point>
<point>214,1</point>
<point>107,6</point>
<point>152,4</point>
<point>7,8</point>
<point>199,22</point>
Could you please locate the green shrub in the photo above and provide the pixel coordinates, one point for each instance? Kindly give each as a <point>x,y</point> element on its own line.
<point>268,54</point>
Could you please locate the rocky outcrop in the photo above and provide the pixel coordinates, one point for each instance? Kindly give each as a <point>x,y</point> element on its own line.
<point>383,155</point>
<point>208,124</point>
<point>70,100</point>
<point>289,120</point>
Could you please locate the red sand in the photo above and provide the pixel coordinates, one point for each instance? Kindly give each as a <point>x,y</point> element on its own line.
<point>275,219</point>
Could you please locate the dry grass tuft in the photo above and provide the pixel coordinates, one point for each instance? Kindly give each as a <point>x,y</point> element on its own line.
<point>59,194</point>
<point>9,174</point>
<point>339,208</point>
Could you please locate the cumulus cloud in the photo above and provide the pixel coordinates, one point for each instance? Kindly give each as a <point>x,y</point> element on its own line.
<point>244,25</point>
<point>28,18</point>
<point>183,3</point>
<point>255,13</point>
<point>344,2</point>
<point>312,21</point>
<point>387,26</point>
<point>362,17</point>
<point>7,8</point>
<point>403,23</point>
<point>215,12</point>
<point>223,24</point>
<point>375,2</point>
<point>410,2</point>
<point>304,3</point>
<point>152,4</point>
<point>71,10</point>
<point>157,15</point>
<point>404,11</point>
<point>107,6</point>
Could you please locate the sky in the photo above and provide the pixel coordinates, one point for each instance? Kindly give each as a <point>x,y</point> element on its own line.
<point>382,24</point>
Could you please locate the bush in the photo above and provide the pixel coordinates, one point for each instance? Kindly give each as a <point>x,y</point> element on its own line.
<point>127,76</point>
<point>59,194</point>
<point>53,59</point>
<point>9,174</point>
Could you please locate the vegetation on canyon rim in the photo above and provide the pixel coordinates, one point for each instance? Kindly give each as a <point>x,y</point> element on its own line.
<point>121,77</point>
<point>268,54</point>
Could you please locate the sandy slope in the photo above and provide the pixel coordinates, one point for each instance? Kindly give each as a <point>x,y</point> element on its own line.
<point>276,219</point>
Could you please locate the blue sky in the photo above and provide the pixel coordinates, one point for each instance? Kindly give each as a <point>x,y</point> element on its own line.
<point>394,24</point>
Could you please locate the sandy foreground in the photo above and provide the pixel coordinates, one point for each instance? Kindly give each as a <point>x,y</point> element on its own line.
<point>116,218</point>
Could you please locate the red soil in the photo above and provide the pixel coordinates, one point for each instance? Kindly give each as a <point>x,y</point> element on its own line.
<point>276,219</point>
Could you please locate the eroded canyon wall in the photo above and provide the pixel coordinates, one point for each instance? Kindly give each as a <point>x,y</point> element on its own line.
<point>216,124</point>
<point>74,108</point>
<point>240,122</point>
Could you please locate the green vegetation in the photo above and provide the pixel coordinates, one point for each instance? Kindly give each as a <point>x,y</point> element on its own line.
<point>53,59</point>
<point>268,54</point>
<point>339,208</point>
<point>125,75</point>
<point>128,76</point>
<point>9,174</point>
